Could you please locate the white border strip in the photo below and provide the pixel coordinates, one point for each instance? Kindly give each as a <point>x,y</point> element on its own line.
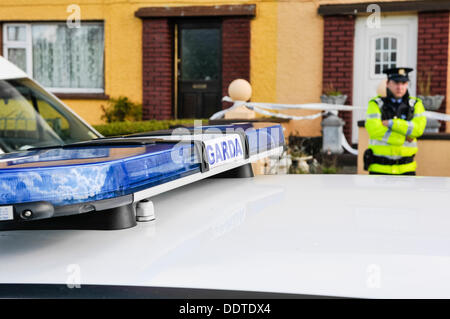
<point>156,190</point>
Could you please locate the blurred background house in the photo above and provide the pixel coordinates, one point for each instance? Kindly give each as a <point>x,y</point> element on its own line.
<point>178,59</point>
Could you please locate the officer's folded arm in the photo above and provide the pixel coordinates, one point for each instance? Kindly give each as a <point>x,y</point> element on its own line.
<point>379,131</point>
<point>413,128</point>
<point>375,128</point>
<point>390,125</point>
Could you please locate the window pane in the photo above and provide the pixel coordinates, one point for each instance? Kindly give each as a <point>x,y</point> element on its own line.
<point>17,33</point>
<point>394,43</point>
<point>200,54</point>
<point>385,43</point>
<point>18,57</point>
<point>386,56</point>
<point>393,57</point>
<point>377,69</point>
<point>393,65</point>
<point>20,126</point>
<point>54,119</point>
<point>377,57</point>
<point>68,57</point>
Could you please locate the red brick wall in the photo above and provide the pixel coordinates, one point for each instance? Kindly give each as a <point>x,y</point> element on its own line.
<point>157,63</point>
<point>432,52</point>
<point>235,52</point>
<point>157,57</point>
<point>338,60</point>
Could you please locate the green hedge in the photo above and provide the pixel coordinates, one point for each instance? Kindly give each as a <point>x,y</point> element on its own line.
<point>124,128</point>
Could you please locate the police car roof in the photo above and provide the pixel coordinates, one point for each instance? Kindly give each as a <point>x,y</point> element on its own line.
<point>338,235</point>
<point>9,71</point>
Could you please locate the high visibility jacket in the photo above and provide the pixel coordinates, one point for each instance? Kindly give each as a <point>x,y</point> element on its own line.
<point>390,142</point>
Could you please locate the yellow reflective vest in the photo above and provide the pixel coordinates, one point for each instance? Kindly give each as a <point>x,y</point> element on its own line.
<point>390,142</point>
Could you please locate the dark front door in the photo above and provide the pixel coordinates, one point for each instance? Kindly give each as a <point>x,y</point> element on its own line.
<point>199,69</point>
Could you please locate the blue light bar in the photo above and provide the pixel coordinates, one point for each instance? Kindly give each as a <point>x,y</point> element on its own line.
<point>265,138</point>
<point>260,136</point>
<point>69,176</point>
<point>107,169</point>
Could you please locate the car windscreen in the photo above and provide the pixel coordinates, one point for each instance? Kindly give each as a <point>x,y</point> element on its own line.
<point>30,117</point>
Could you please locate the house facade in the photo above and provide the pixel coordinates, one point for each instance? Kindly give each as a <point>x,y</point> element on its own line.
<point>178,59</point>
<point>361,39</point>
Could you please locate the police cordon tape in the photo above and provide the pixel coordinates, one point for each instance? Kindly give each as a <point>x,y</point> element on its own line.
<point>327,108</point>
<point>258,107</point>
<point>437,116</point>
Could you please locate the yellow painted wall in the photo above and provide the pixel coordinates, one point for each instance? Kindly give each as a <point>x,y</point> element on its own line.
<point>263,54</point>
<point>123,65</point>
<point>433,157</point>
<point>363,143</point>
<point>299,69</point>
<point>123,43</point>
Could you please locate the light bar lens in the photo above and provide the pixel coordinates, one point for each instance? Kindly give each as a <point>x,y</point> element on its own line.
<point>54,179</point>
<point>65,176</point>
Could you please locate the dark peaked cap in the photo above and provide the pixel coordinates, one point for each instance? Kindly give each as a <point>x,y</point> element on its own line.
<point>398,74</point>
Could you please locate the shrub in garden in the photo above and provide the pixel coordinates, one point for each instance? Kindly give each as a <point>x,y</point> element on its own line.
<point>121,109</point>
<point>127,127</point>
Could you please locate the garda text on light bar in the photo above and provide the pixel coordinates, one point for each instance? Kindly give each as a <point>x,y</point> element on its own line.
<point>223,146</point>
<point>223,150</point>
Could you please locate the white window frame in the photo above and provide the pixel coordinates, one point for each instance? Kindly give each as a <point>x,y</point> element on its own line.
<point>28,46</point>
<point>389,51</point>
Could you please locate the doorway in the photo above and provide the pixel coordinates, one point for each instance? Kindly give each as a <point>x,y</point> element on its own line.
<point>199,68</point>
<point>393,44</point>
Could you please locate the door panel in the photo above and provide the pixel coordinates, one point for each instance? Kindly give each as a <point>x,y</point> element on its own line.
<point>189,102</point>
<point>210,104</point>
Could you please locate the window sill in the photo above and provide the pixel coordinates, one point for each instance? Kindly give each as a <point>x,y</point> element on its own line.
<point>82,96</point>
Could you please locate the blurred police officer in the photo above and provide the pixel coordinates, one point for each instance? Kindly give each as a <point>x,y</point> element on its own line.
<point>394,122</point>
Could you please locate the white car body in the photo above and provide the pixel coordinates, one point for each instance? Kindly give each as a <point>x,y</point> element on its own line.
<point>315,235</point>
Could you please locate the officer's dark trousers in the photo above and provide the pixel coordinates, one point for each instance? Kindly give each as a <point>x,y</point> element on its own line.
<point>407,173</point>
